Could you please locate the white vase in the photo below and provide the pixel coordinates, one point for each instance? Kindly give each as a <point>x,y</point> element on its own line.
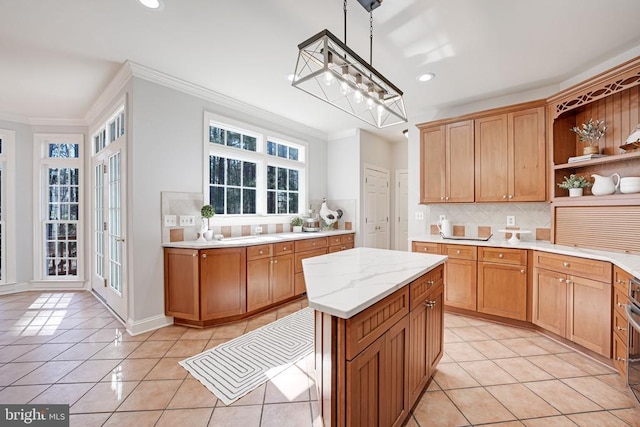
<point>297,228</point>
<point>575,192</point>
<point>204,226</point>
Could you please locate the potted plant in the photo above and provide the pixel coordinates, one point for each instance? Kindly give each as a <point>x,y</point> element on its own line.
<point>590,132</point>
<point>207,213</point>
<point>574,183</point>
<point>296,224</point>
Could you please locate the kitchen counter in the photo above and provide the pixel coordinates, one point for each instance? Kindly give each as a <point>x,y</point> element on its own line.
<point>345,283</point>
<point>260,239</point>
<point>627,262</point>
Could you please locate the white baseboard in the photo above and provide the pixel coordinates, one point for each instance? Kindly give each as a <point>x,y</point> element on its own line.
<point>149,324</point>
<point>12,288</point>
<point>59,286</point>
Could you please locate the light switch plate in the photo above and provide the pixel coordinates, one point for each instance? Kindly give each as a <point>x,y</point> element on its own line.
<point>420,215</point>
<point>187,220</point>
<point>511,220</point>
<point>170,221</point>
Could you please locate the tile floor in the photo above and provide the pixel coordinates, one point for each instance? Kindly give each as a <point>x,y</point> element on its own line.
<point>65,347</point>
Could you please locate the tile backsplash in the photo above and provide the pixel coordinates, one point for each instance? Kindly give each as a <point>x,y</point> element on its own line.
<point>475,218</point>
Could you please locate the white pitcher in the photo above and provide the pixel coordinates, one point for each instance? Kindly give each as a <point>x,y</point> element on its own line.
<point>604,185</point>
<point>445,228</point>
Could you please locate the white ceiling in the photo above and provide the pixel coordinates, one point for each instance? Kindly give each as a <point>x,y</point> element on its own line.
<point>56,57</point>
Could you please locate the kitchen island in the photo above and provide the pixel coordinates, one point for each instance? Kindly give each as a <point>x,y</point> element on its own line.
<point>378,332</point>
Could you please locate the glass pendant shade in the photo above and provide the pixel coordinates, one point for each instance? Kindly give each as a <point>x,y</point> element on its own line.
<point>329,70</point>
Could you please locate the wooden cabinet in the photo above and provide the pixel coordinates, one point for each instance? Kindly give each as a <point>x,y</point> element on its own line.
<point>446,163</point>
<point>182,283</point>
<point>510,157</point>
<point>341,243</point>
<point>570,305</point>
<point>460,289</point>
<point>425,247</point>
<point>223,283</point>
<point>306,249</point>
<point>502,282</point>
<point>269,277</point>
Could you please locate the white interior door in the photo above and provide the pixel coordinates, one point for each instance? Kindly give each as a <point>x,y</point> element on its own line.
<point>376,203</point>
<point>402,210</point>
<point>109,209</point>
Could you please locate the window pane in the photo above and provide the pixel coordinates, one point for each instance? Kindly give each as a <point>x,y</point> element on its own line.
<point>233,200</point>
<point>271,148</point>
<point>233,172</point>
<point>282,202</point>
<point>53,176</point>
<point>248,201</point>
<point>282,151</point>
<point>271,202</point>
<point>73,212</point>
<point>271,177</point>
<point>282,179</point>
<point>216,199</point>
<point>233,139</point>
<point>74,176</point>
<point>293,180</point>
<point>293,203</point>
<point>216,170</point>
<point>249,143</point>
<point>216,135</point>
<point>248,174</point>
<point>293,153</point>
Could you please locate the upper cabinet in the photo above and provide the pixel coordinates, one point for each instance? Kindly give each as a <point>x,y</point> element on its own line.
<point>510,157</point>
<point>492,156</point>
<point>446,163</point>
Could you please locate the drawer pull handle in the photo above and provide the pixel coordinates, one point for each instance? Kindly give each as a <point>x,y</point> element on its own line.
<point>621,359</point>
<point>620,305</point>
<point>430,283</point>
<point>204,255</point>
<point>284,248</point>
<point>343,247</point>
<point>260,252</point>
<point>620,328</point>
<point>430,304</point>
<point>500,256</point>
<point>522,271</point>
<point>458,252</point>
<point>566,264</point>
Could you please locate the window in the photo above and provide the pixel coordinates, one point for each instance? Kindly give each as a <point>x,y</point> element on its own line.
<point>251,173</point>
<point>60,210</point>
<point>109,133</point>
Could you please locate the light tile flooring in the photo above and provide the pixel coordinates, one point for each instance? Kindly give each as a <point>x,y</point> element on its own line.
<point>60,347</point>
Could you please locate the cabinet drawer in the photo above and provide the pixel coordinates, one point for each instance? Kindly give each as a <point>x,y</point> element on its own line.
<point>342,247</point>
<point>282,248</point>
<point>425,247</point>
<point>307,244</point>
<point>621,326</point>
<point>460,252</point>
<point>369,325</point>
<point>307,254</point>
<point>621,279</point>
<point>420,288</point>
<point>503,255</point>
<point>259,251</point>
<point>583,267</point>
<point>348,238</point>
<point>335,240</point>
<point>620,355</point>
<point>620,300</point>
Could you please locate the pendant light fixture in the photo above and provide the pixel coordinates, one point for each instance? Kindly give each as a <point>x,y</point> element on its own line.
<point>329,70</point>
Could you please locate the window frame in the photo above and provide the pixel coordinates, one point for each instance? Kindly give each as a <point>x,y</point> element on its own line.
<point>42,163</point>
<point>8,218</point>
<point>262,160</point>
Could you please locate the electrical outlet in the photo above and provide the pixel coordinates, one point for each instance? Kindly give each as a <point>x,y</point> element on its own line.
<point>442,218</point>
<point>258,230</point>
<point>511,220</point>
<point>187,220</point>
<point>170,221</point>
<point>420,216</point>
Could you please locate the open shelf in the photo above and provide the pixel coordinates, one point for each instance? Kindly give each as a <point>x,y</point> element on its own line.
<point>590,200</point>
<point>601,160</point>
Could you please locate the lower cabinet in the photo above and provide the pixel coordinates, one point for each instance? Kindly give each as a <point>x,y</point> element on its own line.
<point>502,282</point>
<point>223,283</point>
<point>460,276</point>
<point>269,277</point>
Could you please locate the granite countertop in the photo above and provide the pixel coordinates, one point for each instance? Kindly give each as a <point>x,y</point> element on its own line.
<point>629,263</point>
<point>259,239</point>
<point>345,283</point>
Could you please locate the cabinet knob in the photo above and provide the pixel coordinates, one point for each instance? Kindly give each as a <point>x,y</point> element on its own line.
<point>560,279</point>
<point>510,196</point>
<point>621,328</point>
<point>442,198</point>
<point>458,252</point>
<point>430,304</point>
<point>204,255</point>
<point>194,254</point>
<point>621,359</point>
<point>523,271</point>
<point>566,264</point>
<point>446,198</point>
<point>568,282</point>
<point>620,305</point>
<point>275,261</point>
<point>500,256</point>
<point>504,196</point>
<point>343,247</point>
<point>313,244</point>
<point>284,248</point>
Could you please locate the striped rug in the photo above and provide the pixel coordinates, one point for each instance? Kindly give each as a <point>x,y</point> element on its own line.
<point>234,368</point>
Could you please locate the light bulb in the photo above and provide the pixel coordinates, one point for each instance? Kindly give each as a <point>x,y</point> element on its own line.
<point>369,103</point>
<point>328,78</point>
<point>344,88</point>
<point>357,96</point>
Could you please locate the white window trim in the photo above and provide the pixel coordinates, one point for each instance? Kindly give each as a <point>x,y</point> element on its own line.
<point>7,158</point>
<point>41,160</point>
<point>263,160</point>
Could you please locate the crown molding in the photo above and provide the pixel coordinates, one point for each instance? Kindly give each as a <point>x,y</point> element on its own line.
<point>16,118</point>
<point>172,82</point>
<point>343,134</point>
<point>57,122</point>
<point>107,96</point>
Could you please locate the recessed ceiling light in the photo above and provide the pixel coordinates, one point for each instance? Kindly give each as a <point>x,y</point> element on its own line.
<point>426,77</point>
<point>151,4</point>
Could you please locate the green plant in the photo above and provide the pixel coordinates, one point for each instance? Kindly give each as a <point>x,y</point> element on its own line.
<point>574,181</point>
<point>296,221</point>
<point>207,211</point>
<point>590,132</point>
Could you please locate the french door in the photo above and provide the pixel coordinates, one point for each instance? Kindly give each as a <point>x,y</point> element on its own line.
<point>376,208</point>
<point>108,277</point>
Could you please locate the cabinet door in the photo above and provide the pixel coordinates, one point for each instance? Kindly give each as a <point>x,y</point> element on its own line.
<point>223,282</point>
<point>527,148</point>
<point>491,159</point>
<point>418,364</point>
<point>460,284</point>
<point>620,355</point>
<point>366,394</point>
<point>432,165</point>
<point>435,328</point>
<point>181,283</point>
<point>549,303</point>
<point>502,290</point>
<point>258,283</point>
<point>396,377</point>
<point>459,156</point>
<point>282,285</point>
<point>590,314</point>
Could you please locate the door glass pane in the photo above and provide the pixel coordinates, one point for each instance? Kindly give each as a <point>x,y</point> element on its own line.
<point>115,232</point>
